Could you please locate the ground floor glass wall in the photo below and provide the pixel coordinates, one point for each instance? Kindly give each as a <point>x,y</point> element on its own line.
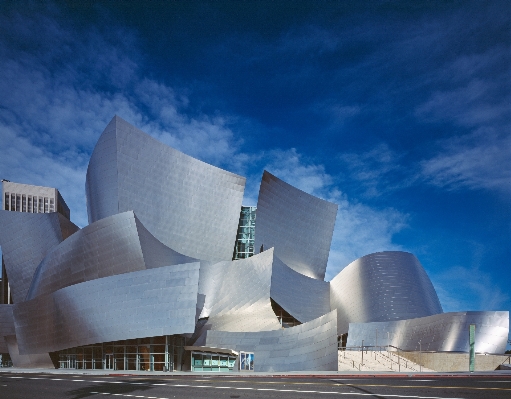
<point>151,354</point>
<point>205,361</point>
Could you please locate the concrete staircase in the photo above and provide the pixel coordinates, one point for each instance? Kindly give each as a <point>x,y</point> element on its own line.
<point>376,361</point>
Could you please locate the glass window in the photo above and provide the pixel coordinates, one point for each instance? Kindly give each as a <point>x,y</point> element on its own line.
<point>13,202</point>
<point>29,203</point>
<point>24,203</point>
<point>7,201</point>
<point>41,205</point>
<point>52,205</point>
<point>46,209</point>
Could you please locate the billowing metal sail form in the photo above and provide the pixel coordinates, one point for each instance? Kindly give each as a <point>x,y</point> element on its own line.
<point>25,239</point>
<point>309,346</point>
<point>188,205</point>
<point>154,268</point>
<point>383,286</point>
<point>114,245</point>
<point>298,225</point>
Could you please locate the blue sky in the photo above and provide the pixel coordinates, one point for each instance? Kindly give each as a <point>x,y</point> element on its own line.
<point>397,111</point>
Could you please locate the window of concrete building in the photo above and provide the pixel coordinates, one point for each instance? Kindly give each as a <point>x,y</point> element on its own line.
<point>7,201</point>
<point>46,205</point>
<point>18,202</point>
<point>52,205</point>
<point>41,205</point>
<point>23,203</point>
<point>13,202</point>
<point>29,204</point>
<point>34,204</point>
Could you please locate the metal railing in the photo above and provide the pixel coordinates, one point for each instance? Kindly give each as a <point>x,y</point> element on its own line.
<point>391,355</point>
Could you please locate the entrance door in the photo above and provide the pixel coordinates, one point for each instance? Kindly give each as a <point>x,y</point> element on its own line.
<point>109,361</point>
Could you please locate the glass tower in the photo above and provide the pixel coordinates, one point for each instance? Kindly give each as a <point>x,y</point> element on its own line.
<point>244,246</point>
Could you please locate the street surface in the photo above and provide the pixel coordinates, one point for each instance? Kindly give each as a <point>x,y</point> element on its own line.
<point>68,386</point>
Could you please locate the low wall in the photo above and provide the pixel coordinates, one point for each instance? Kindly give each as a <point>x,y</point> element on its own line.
<point>445,361</point>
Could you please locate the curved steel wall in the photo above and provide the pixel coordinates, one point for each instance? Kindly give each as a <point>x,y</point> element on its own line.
<point>310,346</point>
<point>185,203</point>
<point>298,225</point>
<point>114,245</point>
<point>302,297</point>
<point>6,325</point>
<point>442,332</point>
<point>383,286</point>
<point>25,239</point>
<point>139,304</point>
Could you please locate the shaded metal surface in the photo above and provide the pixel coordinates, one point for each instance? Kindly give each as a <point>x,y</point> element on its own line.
<point>37,361</point>
<point>310,346</point>
<point>25,239</point>
<point>185,203</point>
<point>383,286</point>
<point>114,245</point>
<point>442,332</point>
<point>6,325</point>
<point>298,225</point>
<point>139,304</point>
<point>302,297</point>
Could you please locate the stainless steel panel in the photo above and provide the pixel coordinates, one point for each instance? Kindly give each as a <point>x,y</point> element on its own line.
<point>244,301</point>
<point>311,346</point>
<point>298,225</point>
<point>25,239</point>
<point>33,361</point>
<point>186,204</point>
<point>6,325</point>
<point>139,304</point>
<point>383,286</point>
<point>302,297</point>
<point>442,332</point>
<point>110,246</point>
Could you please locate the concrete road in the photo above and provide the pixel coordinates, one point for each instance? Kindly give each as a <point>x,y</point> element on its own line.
<point>68,386</point>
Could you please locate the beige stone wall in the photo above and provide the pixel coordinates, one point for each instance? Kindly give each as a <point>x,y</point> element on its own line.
<point>444,361</point>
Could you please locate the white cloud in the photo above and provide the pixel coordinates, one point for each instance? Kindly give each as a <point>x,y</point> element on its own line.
<point>476,161</point>
<point>52,115</point>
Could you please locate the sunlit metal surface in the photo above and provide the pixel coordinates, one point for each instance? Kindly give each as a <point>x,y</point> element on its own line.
<point>186,204</point>
<point>143,303</point>
<point>298,225</point>
<point>25,239</point>
<point>383,286</point>
<point>302,297</point>
<point>310,346</point>
<point>244,301</point>
<point>114,245</point>
<point>442,332</point>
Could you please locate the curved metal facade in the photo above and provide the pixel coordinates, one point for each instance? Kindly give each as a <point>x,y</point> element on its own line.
<point>447,332</point>
<point>6,326</point>
<point>298,225</point>
<point>383,286</point>
<point>302,297</point>
<point>25,239</point>
<point>114,245</point>
<point>185,203</point>
<point>244,303</point>
<point>143,303</point>
<point>310,346</point>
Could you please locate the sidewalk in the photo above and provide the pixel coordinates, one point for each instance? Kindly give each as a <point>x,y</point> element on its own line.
<point>291,374</point>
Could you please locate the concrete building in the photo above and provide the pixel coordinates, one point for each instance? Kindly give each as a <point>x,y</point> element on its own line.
<point>32,199</point>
